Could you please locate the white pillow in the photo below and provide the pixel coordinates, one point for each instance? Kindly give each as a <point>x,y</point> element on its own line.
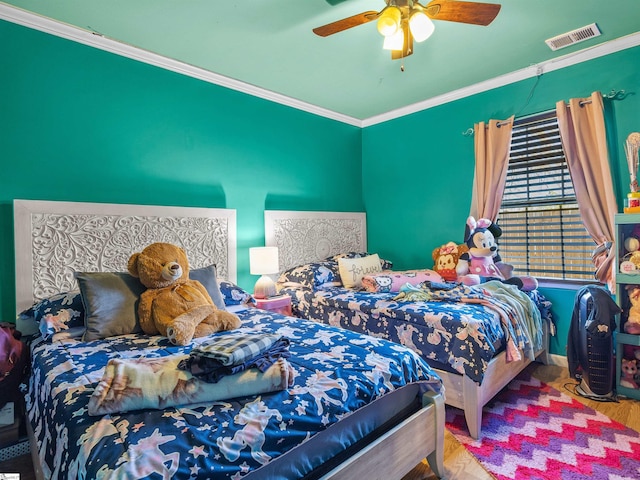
<point>353,269</point>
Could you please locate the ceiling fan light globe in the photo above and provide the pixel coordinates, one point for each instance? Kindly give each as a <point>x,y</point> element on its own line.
<point>395,41</point>
<point>421,26</point>
<point>389,21</point>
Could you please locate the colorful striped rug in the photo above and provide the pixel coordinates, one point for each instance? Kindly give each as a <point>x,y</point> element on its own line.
<point>532,431</point>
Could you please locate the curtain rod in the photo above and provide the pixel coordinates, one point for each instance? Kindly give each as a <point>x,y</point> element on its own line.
<point>612,95</point>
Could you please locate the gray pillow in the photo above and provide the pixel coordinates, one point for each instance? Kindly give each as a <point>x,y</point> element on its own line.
<point>110,301</point>
<point>208,277</point>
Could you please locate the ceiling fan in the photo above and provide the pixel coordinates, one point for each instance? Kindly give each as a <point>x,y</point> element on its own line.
<point>402,21</point>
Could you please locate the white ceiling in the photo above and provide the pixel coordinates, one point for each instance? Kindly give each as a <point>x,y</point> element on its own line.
<point>267,47</point>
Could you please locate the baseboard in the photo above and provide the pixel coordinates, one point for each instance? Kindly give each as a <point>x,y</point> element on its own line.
<point>558,360</point>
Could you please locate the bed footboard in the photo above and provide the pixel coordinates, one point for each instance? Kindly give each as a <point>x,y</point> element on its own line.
<point>399,450</point>
<point>464,393</point>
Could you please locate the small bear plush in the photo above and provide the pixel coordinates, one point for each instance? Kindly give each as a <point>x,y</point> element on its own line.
<point>174,305</point>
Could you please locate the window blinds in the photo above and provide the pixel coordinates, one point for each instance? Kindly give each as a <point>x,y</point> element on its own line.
<point>543,233</point>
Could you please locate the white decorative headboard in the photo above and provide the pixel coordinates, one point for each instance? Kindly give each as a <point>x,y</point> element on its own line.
<point>304,237</point>
<point>55,239</point>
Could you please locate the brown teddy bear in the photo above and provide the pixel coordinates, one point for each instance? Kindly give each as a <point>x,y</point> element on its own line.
<point>174,305</point>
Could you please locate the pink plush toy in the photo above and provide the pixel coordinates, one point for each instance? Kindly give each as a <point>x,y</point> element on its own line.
<point>482,262</point>
<point>628,372</point>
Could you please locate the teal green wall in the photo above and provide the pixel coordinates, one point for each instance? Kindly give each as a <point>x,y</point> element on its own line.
<point>418,170</point>
<point>80,124</point>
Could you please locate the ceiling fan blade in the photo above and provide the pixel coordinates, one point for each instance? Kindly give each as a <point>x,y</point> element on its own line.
<point>464,12</point>
<point>345,23</point>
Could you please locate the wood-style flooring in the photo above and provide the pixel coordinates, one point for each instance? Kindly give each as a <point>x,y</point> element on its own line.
<point>458,463</point>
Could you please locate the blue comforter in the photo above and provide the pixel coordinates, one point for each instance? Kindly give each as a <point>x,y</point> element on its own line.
<point>336,373</point>
<point>457,331</point>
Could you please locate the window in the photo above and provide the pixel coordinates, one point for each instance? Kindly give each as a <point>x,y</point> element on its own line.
<point>543,233</point>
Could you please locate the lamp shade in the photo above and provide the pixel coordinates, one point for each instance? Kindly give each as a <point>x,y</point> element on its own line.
<point>263,260</point>
<point>421,26</point>
<point>389,21</point>
<point>395,41</point>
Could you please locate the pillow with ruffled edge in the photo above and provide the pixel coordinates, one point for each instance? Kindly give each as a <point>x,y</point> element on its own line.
<point>60,314</point>
<point>233,294</point>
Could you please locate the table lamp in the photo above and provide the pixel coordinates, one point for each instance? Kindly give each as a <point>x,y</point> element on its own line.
<point>264,261</point>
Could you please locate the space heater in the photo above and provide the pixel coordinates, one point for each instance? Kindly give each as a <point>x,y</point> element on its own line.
<point>593,343</point>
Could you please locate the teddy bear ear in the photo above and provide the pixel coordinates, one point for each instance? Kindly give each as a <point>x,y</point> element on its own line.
<point>132,265</point>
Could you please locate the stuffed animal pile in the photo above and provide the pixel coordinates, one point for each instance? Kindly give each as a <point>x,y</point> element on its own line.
<point>174,305</point>
<point>482,262</point>
<point>631,260</point>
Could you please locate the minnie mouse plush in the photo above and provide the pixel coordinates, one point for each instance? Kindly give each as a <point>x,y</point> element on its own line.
<point>482,262</point>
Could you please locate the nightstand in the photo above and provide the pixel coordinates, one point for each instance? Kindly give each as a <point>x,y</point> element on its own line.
<point>279,304</point>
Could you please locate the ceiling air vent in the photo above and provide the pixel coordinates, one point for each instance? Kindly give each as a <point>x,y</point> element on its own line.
<point>575,36</point>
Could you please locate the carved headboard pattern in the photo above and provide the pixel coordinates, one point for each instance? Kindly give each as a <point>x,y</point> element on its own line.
<point>55,239</point>
<point>303,237</point>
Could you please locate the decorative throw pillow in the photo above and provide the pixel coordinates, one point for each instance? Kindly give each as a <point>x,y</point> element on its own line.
<point>110,302</point>
<point>385,264</point>
<point>352,270</point>
<point>390,282</point>
<point>208,277</point>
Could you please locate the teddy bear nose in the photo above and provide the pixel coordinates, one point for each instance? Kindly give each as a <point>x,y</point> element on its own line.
<point>493,248</point>
<point>171,271</point>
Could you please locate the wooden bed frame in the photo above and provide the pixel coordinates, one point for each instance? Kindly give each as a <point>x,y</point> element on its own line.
<point>55,239</point>
<point>330,233</point>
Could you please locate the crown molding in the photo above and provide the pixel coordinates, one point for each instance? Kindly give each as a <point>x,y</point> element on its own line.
<point>92,39</point>
<point>558,63</point>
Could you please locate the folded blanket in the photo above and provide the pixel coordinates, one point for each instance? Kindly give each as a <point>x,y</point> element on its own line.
<point>235,348</point>
<point>203,364</point>
<point>134,384</point>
